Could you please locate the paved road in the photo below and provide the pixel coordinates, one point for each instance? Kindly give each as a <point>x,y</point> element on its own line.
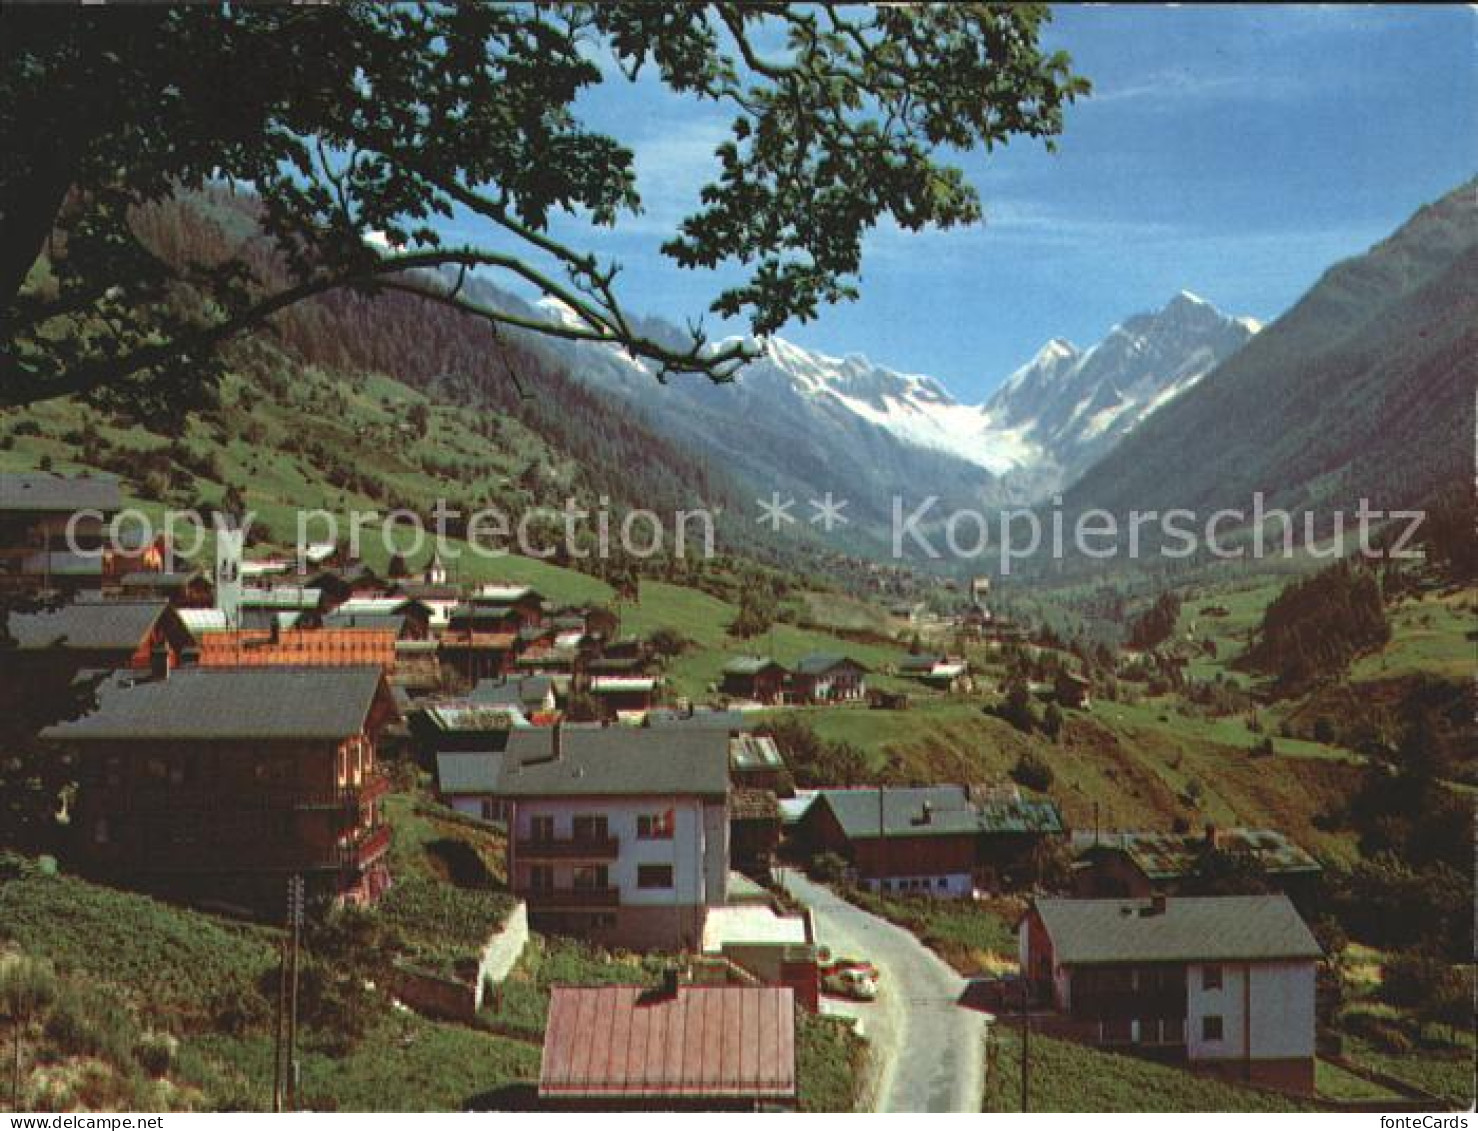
<point>930,1052</point>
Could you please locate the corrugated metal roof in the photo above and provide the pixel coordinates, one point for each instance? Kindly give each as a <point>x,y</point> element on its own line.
<point>1226,928</point>
<point>616,761</point>
<point>107,625</point>
<point>702,1042</point>
<point>224,703</point>
<point>40,491</point>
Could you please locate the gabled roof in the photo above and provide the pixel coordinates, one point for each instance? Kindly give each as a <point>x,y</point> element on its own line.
<point>383,622</point>
<point>700,1042</point>
<point>87,625</point>
<point>819,663</point>
<point>470,772</point>
<point>751,665</point>
<point>41,491</point>
<point>1224,928</point>
<point>901,811</point>
<point>380,606</point>
<point>283,597</point>
<point>1168,856</point>
<point>529,690</point>
<point>147,579</point>
<point>234,703</point>
<point>615,761</point>
<point>950,812</point>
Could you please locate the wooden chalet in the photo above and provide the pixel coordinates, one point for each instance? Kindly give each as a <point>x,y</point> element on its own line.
<point>474,655</point>
<point>35,511</point>
<point>1220,984</point>
<point>1143,863</point>
<point>825,678</point>
<point>101,635</point>
<point>756,678</point>
<point>184,589</point>
<point>217,784</point>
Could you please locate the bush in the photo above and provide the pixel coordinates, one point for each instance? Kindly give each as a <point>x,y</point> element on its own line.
<point>155,1053</point>
<point>1033,773</point>
<point>828,867</point>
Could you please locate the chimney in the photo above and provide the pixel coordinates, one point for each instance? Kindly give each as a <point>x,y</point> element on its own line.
<point>557,740</point>
<point>928,814</point>
<point>1157,904</point>
<point>159,661</point>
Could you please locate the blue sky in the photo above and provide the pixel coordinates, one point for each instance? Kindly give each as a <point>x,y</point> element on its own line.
<point>1234,152</point>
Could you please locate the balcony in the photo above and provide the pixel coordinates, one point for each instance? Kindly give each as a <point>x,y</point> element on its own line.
<point>349,797</point>
<point>567,848</point>
<point>565,899</point>
<point>364,847</point>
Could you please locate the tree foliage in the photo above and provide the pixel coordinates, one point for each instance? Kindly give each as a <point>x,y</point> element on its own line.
<point>1316,626</point>
<point>363,126</point>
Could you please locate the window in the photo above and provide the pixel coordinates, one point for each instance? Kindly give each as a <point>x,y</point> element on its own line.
<point>589,828</point>
<point>1211,977</point>
<point>541,828</point>
<point>654,875</point>
<point>541,877</point>
<point>940,883</point>
<point>1211,1028</point>
<point>655,826</point>
<point>592,877</point>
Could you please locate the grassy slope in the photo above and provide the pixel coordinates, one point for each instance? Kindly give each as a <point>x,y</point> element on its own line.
<point>704,619</point>
<point>1070,1077</point>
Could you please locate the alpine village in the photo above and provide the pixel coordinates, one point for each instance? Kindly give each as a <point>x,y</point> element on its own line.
<point>290,821</point>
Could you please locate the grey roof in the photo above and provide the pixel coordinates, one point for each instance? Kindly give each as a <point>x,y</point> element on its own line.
<point>616,761</point>
<point>226,703</point>
<point>750,665</point>
<point>469,771</point>
<point>951,812</point>
<point>710,719</point>
<point>1227,928</point>
<point>526,691</point>
<point>93,625</point>
<point>819,663</point>
<point>160,580</point>
<point>902,810</point>
<point>39,491</point>
<point>392,622</point>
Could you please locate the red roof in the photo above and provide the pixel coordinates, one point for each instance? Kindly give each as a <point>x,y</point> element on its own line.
<point>701,1042</point>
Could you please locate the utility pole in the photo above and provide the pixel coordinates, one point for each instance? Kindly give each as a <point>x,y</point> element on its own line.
<point>1026,1048</point>
<point>295,919</point>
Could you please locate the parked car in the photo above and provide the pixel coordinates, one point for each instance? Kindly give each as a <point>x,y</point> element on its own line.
<point>828,965</point>
<point>851,983</point>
